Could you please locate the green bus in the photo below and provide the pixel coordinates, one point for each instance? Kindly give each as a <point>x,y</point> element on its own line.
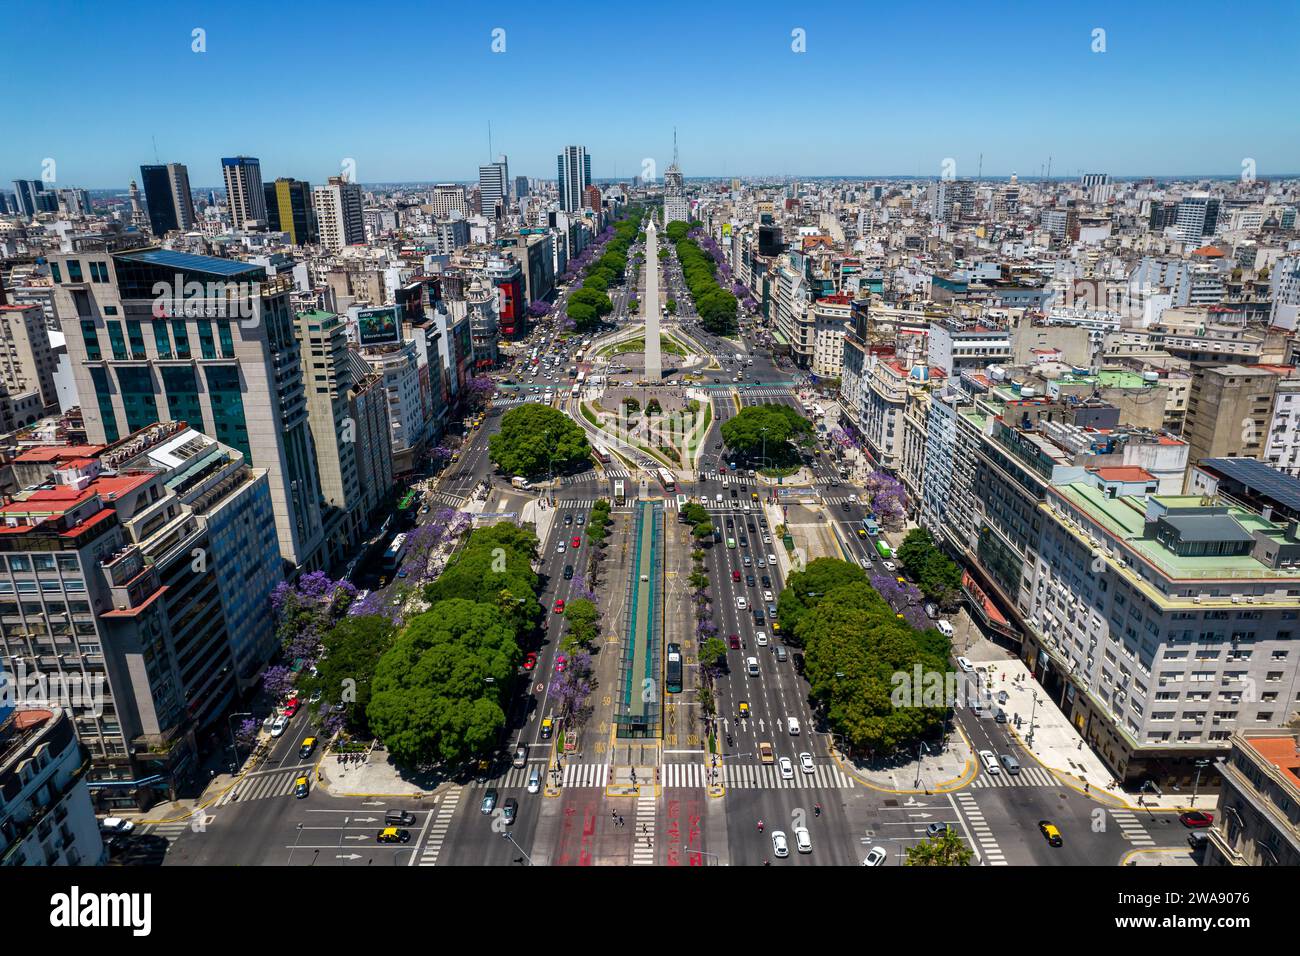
<point>883,549</point>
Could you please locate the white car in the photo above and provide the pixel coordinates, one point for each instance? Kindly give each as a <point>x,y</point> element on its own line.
<point>741,602</point>
<point>792,725</point>
<point>771,559</point>
<point>767,596</point>
<point>866,563</point>
<point>990,761</point>
<point>876,857</point>
<point>779,846</point>
<point>760,638</point>
<point>964,664</point>
<point>116,825</point>
<point>806,762</point>
<point>802,840</point>
<point>787,768</point>
<point>279,726</point>
<point>560,548</point>
<point>889,565</point>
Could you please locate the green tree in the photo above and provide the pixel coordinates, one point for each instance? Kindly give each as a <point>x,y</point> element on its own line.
<point>945,849</point>
<point>534,438</point>
<point>770,429</point>
<point>439,690</point>
<point>345,673</point>
<point>581,615</point>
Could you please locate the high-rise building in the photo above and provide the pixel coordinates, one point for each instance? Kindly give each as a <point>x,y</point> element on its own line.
<point>676,208</point>
<point>494,188</point>
<point>345,429</point>
<point>573,175</point>
<point>289,209</point>
<point>1098,186</point>
<point>339,215</point>
<point>245,197</point>
<point>167,193</point>
<point>521,187</point>
<point>1197,217</point>
<point>26,360</point>
<point>225,361</point>
<point>449,198</point>
<point>27,191</point>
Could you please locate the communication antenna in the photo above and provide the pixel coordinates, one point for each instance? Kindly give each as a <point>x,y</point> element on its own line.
<point>489,141</point>
<point>156,160</point>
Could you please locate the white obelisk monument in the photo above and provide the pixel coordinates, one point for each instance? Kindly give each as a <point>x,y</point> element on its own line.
<point>654,366</point>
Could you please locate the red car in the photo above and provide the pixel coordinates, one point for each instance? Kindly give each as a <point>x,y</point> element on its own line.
<point>560,661</point>
<point>291,708</point>
<point>1196,818</point>
<point>559,606</point>
<point>734,641</point>
<point>530,661</point>
<point>735,576</point>
<point>576,542</point>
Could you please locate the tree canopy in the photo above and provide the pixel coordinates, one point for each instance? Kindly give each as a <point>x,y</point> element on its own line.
<point>535,438</point>
<point>744,433</point>
<point>937,574</point>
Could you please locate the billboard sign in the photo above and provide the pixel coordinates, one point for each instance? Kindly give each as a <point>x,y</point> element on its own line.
<point>379,326</point>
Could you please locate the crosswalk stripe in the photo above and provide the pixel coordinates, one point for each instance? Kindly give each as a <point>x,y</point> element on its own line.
<point>438,829</point>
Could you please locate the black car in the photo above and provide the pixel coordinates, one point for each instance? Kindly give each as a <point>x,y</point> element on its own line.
<point>767,582</point>
<point>749,526</point>
<point>759,620</point>
<point>509,810</point>
<point>744,541</point>
<point>568,571</point>
<point>730,523</point>
<point>489,801</point>
<point>733,493</point>
<point>844,506</point>
<point>749,579</point>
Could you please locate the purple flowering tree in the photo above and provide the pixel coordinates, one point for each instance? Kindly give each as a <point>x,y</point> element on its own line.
<point>277,681</point>
<point>888,497</point>
<point>246,732</point>
<point>573,686</point>
<point>578,589</point>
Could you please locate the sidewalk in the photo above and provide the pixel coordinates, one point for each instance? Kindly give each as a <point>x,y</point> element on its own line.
<point>374,777</point>
<point>1054,742</point>
<point>949,770</point>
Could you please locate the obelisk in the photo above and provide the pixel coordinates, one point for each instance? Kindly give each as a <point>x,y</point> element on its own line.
<point>654,366</point>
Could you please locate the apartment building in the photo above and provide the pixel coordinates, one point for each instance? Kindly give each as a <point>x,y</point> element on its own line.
<point>46,816</point>
<point>27,363</point>
<point>1161,624</point>
<point>830,318</point>
<point>1231,411</point>
<point>1257,820</point>
<point>956,347</point>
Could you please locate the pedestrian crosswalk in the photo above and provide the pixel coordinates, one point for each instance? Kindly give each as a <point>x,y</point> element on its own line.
<point>437,834</point>
<point>980,830</point>
<point>1131,827</point>
<point>693,774</point>
<point>1028,777</point>
<point>643,853</point>
<point>767,391</point>
<point>447,498</point>
<point>172,829</point>
<point>261,786</point>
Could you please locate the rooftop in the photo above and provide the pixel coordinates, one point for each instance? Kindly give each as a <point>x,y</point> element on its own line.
<point>1259,477</point>
<point>1282,752</point>
<point>210,265</point>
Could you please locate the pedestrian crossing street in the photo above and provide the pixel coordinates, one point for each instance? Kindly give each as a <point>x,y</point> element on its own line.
<point>1028,777</point>
<point>980,830</point>
<point>437,834</point>
<point>1131,827</point>
<point>689,775</point>
<point>643,853</point>
<point>262,786</point>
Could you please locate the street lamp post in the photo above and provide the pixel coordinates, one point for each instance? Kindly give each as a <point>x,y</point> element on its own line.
<point>234,747</point>
<point>1032,710</point>
<point>515,844</point>
<point>1200,765</point>
<point>920,748</point>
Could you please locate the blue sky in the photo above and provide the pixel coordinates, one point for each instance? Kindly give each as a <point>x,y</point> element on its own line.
<point>407,89</point>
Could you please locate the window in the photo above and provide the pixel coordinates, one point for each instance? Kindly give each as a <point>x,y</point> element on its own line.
<point>74,271</point>
<point>91,338</point>
<point>116,340</point>
<point>56,273</point>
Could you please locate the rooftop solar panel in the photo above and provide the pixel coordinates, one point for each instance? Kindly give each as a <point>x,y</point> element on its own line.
<point>190,262</point>
<point>1260,477</point>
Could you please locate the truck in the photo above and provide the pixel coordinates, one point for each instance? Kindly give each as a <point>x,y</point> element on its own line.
<point>519,482</point>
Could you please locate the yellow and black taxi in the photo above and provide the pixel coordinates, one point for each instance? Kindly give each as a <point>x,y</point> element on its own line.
<point>301,787</point>
<point>1050,833</point>
<point>305,750</point>
<point>548,728</point>
<point>393,835</point>
<point>743,710</point>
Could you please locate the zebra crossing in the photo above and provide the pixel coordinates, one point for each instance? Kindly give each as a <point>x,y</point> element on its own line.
<point>1131,827</point>
<point>727,478</point>
<point>264,785</point>
<point>437,834</point>
<point>643,853</point>
<point>1028,777</point>
<point>691,775</point>
<point>981,831</point>
<point>172,829</point>
<point>767,391</point>
<point>447,498</point>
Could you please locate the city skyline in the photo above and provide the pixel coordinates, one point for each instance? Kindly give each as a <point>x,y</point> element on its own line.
<point>1049,95</point>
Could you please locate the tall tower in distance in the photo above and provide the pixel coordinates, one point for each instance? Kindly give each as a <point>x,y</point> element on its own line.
<point>245,197</point>
<point>654,368</point>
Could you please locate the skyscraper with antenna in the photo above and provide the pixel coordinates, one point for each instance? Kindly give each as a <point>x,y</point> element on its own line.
<point>676,208</point>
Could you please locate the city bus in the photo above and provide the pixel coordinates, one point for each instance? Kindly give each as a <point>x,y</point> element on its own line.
<point>883,549</point>
<point>395,553</point>
<point>668,481</point>
<point>619,494</point>
<point>578,358</point>
<point>673,674</point>
<point>599,453</point>
<point>869,523</point>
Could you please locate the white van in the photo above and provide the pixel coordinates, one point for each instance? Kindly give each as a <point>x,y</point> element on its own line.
<point>944,628</point>
<point>751,665</point>
<point>792,725</point>
<point>535,780</point>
